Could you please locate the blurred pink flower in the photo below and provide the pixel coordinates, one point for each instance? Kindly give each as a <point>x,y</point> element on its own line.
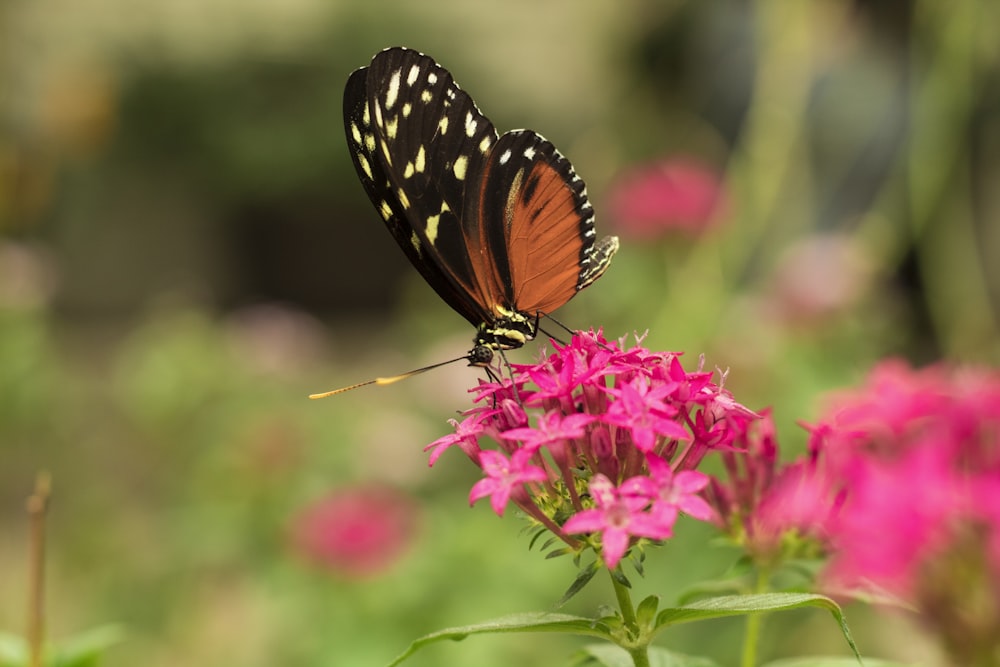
<point>817,277</point>
<point>916,448</point>
<point>675,194</point>
<point>918,453</point>
<point>356,531</point>
<point>275,339</point>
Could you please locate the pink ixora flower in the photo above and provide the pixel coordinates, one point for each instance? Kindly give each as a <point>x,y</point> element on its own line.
<point>774,511</point>
<point>598,442</point>
<point>356,531</point>
<point>677,193</point>
<point>918,455</point>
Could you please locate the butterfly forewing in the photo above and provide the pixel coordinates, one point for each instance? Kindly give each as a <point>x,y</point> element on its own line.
<point>363,141</point>
<point>431,142</point>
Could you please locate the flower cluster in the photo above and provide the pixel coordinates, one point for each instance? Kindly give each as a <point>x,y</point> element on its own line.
<point>598,441</point>
<point>774,511</point>
<point>918,454</point>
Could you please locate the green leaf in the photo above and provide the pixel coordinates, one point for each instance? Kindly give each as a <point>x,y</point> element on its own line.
<point>528,622</point>
<point>620,577</point>
<point>81,650</point>
<point>610,655</point>
<point>713,587</point>
<point>582,579</point>
<point>646,611</point>
<point>86,648</point>
<point>739,605</point>
<point>13,652</point>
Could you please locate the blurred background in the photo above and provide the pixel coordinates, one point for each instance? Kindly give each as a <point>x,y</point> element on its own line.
<point>801,188</point>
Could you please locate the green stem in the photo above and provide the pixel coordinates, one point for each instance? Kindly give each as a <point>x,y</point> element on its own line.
<point>640,654</point>
<point>749,658</point>
<point>752,637</point>
<point>37,505</point>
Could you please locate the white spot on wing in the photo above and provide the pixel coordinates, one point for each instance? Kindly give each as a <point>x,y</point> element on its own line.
<point>403,199</point>
<point>432,78</point>
<point>432,227</point>
<point>505,157</point>
<point>385,210</point>
<point>426,96</point>
<point>461,164</point>
<point>365,167</point>
<point>411,78</point>
<point>434,221</point>
<point>421,160</point>
<point>484,145</point>
<point>529,153</point>
<point>393,91</point>
<point>470,125</point>
<point>407,108</point>
<point>356,133</point>
<point>443,124</point>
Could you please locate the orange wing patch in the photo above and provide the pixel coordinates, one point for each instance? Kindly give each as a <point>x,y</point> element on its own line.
<point>544,244</point>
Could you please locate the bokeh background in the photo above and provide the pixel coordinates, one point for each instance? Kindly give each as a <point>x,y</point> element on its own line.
<point>801,188</point>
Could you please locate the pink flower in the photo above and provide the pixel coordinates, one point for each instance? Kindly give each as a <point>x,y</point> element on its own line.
<point>676,492</point>
<point>817,278</point>
<point>356,531</point>
<point>917,453</point>
<point>618,516</point>
<point>598,439</point>
<point>642,410</point>
<point>674,194</point>
<point>503,477</point>
<point>776,512</point>
<point>465,436</point>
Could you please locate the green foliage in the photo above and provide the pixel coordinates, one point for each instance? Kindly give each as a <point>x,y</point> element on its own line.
<point>613,632</point>
<point>82,650</point>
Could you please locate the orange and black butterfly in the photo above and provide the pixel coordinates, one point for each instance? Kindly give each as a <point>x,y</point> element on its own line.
<point>500,226</point>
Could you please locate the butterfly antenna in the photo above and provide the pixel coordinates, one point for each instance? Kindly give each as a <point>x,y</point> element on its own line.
<point>568,330</point>
<point>560,324</point>
<point>388,380</point>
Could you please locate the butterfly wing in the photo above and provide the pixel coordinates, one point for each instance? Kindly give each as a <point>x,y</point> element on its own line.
<point>419,145</point>
<point>537,219</point>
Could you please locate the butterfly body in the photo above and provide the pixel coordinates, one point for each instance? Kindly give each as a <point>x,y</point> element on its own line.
<point>499,225</point>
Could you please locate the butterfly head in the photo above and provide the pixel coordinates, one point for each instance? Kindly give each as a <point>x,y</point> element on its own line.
<point>508,331</point>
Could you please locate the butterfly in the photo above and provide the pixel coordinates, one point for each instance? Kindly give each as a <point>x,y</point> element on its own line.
<point>499,226</point>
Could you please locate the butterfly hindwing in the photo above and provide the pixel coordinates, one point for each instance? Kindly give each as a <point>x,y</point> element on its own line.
<point>536,216</point>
